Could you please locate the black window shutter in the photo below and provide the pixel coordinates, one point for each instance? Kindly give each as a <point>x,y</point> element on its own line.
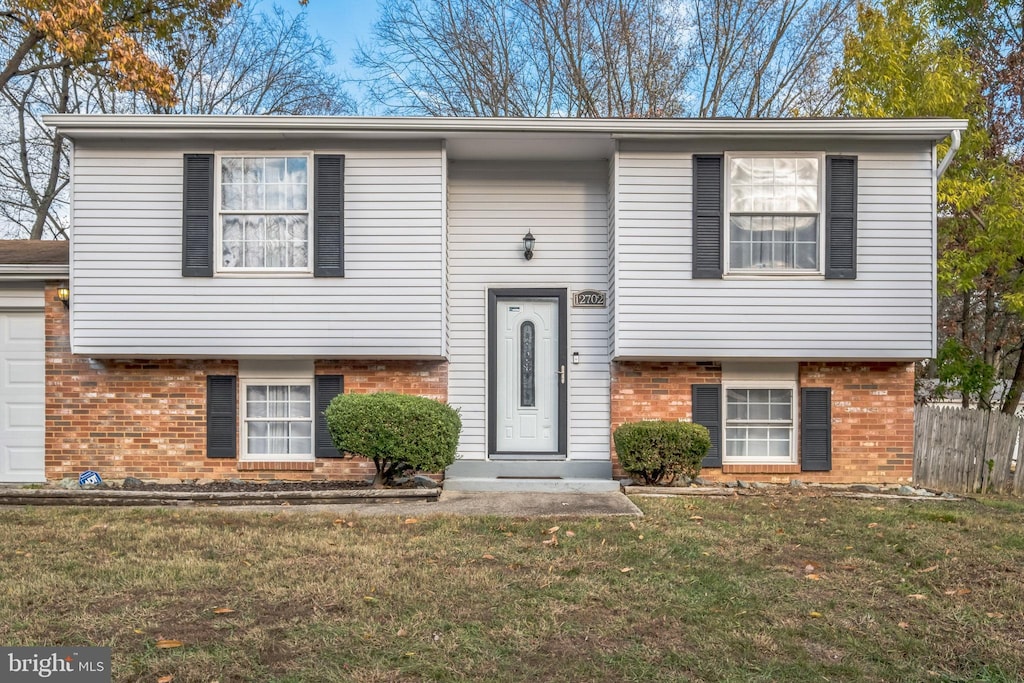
<point>707,411</point>
<point>841,217</point>
<point>221,411</point>
<point>327,387</point>
<point>197,219</point>
<point>328,215</point>
<point>816,429</point>
<point>707,216</point>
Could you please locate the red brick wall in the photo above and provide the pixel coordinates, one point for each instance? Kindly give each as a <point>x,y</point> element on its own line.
<point>872,419</point>
<point>147,418</point>
<point>872,415</point>
<point>655,391</point>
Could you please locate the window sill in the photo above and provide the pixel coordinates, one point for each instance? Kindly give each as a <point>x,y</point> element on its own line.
<point>276,466</point>
<point>768,468</point>
<point>265,273</point>
<point>773,276</point>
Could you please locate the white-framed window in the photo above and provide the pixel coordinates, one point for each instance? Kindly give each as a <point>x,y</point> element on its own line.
<point>277,419</point>
<point>760,422</point>
<point>774,213</point>
<point>264,205</point>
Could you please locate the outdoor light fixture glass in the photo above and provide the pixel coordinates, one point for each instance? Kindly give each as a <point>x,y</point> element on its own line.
<point>528,241</point>
<point>64,294</point>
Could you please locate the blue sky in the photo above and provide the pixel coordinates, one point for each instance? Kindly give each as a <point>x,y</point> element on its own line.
<point>342,22</point>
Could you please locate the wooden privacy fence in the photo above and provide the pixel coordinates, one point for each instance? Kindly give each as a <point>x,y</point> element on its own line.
<point>968,451</point>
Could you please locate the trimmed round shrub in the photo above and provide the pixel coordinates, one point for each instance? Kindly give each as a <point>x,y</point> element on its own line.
<point>659,451</point>
<point>398,432</point>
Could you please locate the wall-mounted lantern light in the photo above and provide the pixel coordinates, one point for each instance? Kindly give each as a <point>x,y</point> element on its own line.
<point>64,294</point>
<point>528,242</point>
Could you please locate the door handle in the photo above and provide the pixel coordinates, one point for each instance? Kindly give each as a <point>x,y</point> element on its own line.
<point>561,374</point>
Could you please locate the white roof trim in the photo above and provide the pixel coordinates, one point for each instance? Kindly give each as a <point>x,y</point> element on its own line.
<point>120,126</point>
<point>33,271</point>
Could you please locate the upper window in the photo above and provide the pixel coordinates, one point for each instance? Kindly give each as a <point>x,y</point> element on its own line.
<point>774,214</point>
<point>264,213</point>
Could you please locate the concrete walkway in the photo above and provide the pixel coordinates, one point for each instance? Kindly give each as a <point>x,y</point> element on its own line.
<point>469,504</point>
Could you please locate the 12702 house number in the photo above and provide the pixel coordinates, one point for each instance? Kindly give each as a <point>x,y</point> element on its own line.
<point>589,298</point>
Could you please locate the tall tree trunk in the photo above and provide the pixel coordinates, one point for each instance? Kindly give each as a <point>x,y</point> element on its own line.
<point>1011,400</point>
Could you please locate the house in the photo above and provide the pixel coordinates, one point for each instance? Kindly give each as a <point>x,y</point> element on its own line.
<point>773,280</point>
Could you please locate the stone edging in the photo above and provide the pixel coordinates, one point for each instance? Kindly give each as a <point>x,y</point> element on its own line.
<point>17,496</point>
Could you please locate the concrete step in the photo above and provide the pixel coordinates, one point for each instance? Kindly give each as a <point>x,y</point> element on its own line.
<point>533,485</point>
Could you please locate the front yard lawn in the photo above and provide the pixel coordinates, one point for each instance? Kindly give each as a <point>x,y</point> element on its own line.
<point>782,587</point>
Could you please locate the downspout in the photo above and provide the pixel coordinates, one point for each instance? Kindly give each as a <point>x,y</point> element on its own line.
<point>950,153</point>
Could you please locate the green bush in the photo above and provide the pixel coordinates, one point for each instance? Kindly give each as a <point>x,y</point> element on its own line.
<point>659,451</point>
<point>397,432</point>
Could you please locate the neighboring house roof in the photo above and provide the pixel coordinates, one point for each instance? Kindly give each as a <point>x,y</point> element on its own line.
<point>27,259</point>
<point>482,137</point>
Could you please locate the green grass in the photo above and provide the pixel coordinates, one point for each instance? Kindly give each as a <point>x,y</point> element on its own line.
<point>717,589</point>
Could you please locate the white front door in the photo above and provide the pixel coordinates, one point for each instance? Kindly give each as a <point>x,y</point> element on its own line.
<point>527,375</point>
<point>22,421</point>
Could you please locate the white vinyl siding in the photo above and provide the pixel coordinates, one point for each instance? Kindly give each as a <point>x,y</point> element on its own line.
<point>130,299</point>
<point>886,313</point>
<point>491,206</point>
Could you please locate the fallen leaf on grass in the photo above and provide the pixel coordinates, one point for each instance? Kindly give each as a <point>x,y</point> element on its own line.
<point>551,541</point>
<point>813,577</point>
<point>412,520</point>
<point>624,570</point>
<point>223,610</point>
<point>339,521</point>
<point>873,525</point>
<point>917,596</point>
<point>164,644</point>
<point>369,598</point>
<point>137,630</point>
<point>696,518</point>
<point>488,557</point>
<point>165,679</point>
<point>552,530</point>
<point>640,537</point>
<point>570,533</point>
<point>958,591</point>
<point>632,526</point>
<point>402,633</point>
<point>928,569</point>
<point>814,615</point>
<point>903,624</point>
<point>994,615</point>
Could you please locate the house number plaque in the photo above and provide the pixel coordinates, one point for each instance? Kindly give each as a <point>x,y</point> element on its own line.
<point>589,298</point>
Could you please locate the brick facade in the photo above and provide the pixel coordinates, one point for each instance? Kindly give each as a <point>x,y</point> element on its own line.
<point>872,415</point>
<point>147,418</point>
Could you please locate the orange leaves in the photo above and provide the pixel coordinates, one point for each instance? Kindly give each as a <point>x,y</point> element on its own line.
<point>114,36</point>
<point>223,610</point>
<point>167,644</point>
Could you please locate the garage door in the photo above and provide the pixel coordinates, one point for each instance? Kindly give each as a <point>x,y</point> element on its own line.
<point>22,421</point>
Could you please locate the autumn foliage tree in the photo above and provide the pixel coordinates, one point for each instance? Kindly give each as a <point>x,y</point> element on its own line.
<point>912,58</point>
<point>110,37</point>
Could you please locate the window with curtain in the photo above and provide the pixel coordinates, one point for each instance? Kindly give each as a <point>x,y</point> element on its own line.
<point>264,212</point>
<point>774,211</point>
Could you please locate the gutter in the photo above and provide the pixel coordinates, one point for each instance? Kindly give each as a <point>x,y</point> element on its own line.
<point>119,126</point>
<point>950,154</point>
<point>33,271</point>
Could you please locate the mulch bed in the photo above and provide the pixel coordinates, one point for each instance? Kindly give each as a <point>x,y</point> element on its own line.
<point>248,486</point>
